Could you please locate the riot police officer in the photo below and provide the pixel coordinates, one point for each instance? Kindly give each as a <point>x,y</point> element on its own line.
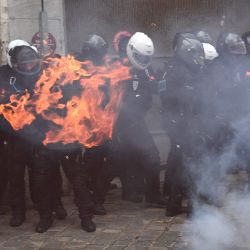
<point>225,82</point>
<point>96,159</point>
<point>19,74</point>
<point>183,73</point>
<point>139,155</point>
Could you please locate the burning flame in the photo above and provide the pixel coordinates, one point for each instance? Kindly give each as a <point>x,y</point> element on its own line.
<point>80,99</point>
<point>17,112</point>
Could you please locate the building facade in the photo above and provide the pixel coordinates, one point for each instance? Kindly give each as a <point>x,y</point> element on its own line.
<point>20,19</point>
<point>70,21</point>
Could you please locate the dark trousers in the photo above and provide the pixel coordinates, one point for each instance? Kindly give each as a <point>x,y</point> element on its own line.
<point>96,163</point>
<point>174,181</point>
<point>56,185</point>
<point>140,160</point>
<point>4,166</point>
<point>22,156</point>
<point>45,167</point>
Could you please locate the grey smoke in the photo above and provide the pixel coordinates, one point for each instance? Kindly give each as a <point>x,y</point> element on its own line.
<point>225,224</point>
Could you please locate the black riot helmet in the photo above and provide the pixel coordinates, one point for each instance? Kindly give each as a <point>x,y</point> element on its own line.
<point>24,60</point>
<point>189,50</point>
<point>203,36</point>
<point>94,49</point>
<point>181,35</point>
<point>246,39</point>
<point>230,44</point>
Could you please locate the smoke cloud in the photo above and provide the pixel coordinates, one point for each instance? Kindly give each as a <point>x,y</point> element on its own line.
<point>221,221</point>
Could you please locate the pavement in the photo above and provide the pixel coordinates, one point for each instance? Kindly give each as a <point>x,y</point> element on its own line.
<point>127,226</point>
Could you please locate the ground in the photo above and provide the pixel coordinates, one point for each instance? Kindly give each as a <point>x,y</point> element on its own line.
<point>126,226</point>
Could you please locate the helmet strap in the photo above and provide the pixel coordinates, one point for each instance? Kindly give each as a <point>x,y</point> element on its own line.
<point>12,82</point>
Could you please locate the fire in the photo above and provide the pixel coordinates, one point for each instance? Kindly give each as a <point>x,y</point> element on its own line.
<point>17,112</point>
<point>80,99</point>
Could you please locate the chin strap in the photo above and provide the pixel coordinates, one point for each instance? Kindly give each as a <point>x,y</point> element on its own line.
<point>13,82</point>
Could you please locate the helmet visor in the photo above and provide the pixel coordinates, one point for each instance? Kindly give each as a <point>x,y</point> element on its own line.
<point>28,67</point>
<point>26,61</point>
<point>238,48</point>
<point>248,40</point>
<point>142,59</point>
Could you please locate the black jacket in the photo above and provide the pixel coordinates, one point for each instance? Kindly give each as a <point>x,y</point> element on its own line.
<point>180,101</point>
<point>12,83</point>
<point>137,99</point>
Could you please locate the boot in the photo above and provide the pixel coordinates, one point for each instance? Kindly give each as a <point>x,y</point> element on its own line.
<point>60,211</point>
<point>133,197</point>
<point>99,209</point>
<point>112,186</point>
<point>189,209</point>
<point>3,210</point>
<point>43,225</point>
<point>87,224</point>
<point>157,200</point>
<point>17,219</point>
<point>132,188</point>
<point>174,206</point>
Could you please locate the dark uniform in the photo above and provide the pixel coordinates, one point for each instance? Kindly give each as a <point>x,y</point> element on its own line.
<point>229,80</point>
<point>17,151</point>
<point>180,109</point>
<point>22,76</point>
<point>139,156</point>
<point>223,105</point>
<point>5,157</point>
<point>245,151</point>
<point>46,165</point>
<point>95,159</point>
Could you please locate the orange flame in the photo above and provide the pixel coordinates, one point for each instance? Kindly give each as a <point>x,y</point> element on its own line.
<point>87,116</point>
<point>17,112</point>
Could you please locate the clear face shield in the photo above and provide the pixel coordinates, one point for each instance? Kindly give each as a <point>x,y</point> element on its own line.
<point>142,59</point>
<point>26,61</point>
<point>238,48</point>
<point>28,67</point>
<point>235,45</point>
<point>204,37</point>
<point>192,53</point>
<point>247,42</point>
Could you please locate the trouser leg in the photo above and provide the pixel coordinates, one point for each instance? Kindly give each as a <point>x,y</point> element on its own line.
<point>44,167</point>
<point>78,178</point>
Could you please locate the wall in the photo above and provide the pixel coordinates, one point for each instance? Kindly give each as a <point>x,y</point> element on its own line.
<point>20,19</point>
<point>3,26</point>
<point>161,19</point>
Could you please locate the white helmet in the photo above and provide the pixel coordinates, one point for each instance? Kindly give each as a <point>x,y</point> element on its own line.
<point>23,58</point>
<point>140,49</point>
<point>210,51</point>
<point>16,43</point>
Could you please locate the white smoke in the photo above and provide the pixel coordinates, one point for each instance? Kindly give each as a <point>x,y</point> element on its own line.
<point>224,228</point>
<point>211,230</point>
<point>221,222</point>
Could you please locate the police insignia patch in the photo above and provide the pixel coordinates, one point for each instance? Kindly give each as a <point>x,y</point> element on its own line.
<point>135,85</point>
